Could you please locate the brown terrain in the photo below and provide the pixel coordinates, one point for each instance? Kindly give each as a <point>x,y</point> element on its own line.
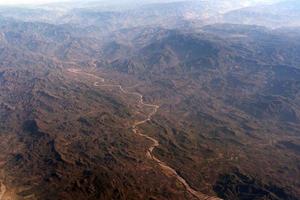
<point>165,168</point>
<point>148,104</point>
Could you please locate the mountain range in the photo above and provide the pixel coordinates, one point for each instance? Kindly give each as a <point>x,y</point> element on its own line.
<point>150,100</point>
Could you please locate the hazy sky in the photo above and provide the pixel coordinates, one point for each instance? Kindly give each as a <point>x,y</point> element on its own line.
<point>12,2</point>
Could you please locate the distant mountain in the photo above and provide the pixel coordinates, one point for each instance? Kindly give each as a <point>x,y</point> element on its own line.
<point>110,15</point>
<point>286,13</point>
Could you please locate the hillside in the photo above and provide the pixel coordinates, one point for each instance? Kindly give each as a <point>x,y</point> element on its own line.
<point>157,100</point>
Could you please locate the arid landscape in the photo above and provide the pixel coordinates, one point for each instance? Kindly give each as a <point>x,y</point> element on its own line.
<point>150,100</point>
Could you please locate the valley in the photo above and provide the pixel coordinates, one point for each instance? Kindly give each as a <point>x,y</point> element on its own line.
<point>167,170</point>
<point>150,100</point>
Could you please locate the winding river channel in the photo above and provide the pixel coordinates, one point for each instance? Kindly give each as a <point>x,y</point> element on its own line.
<point>169,171</point>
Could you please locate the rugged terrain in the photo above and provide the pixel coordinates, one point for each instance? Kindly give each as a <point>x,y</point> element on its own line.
<point>150,101</point>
